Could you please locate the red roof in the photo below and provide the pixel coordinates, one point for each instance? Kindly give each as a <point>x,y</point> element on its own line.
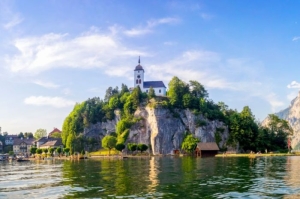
<point>54,131</point>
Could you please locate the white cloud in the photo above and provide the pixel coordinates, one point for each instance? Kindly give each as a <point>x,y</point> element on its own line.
<point>46,84</point>
<point>294,84</point>
<point>273,101</point>
<point>89,50</point>
<point>56,102</point>
<point>149,27</point>
<point>15,20</point>
<point>295,38</point>
<point>206,16</point>
<point>170,43</point>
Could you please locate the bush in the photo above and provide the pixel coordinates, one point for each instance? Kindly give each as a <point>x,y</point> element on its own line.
<point>120,146</point>
<point>200,123</point>
<point>142,147</point>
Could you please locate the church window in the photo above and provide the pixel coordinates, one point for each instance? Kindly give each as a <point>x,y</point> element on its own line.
<point>146,91</point>
<point>139,80</point>
<point>159,91</point>
<point>138,76</point>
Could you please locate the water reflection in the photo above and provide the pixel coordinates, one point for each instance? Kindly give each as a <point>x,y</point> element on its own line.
<point>153,177</point>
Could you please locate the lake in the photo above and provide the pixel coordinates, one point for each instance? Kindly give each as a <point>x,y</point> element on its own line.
<point>153,177</point>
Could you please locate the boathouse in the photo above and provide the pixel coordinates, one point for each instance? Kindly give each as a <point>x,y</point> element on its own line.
<point>208,149</point>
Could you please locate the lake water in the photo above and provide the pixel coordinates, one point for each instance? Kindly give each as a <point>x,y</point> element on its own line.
<point>155,177</point>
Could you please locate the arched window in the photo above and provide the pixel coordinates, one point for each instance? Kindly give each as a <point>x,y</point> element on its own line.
<point>139,80</point>
<point>138,76</point>
<point>159,91</point>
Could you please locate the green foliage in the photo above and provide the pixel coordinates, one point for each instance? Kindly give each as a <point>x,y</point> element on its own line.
<point>40,133</point>
<point>45,150</point>
<point>200,123</point>
<point>10,153</point>
<point>20,135</point>
<point>122,125</point>
<point>39,151</point>
<point>120,146</point>
<point>33,150</point>
<point>56,135</point>
<point>114,103</point>
<point>189,143</point>
<point>123,137</point>
<point>177,89</point>
<point>66,150</point>
<point>109,142</point>
<point>51,150</point>
<point>142,147</point>
<point>132,147</point>
<point>218,138</point>
<point>151,93</point>
<point>136,97</point>
<point>58,150</point>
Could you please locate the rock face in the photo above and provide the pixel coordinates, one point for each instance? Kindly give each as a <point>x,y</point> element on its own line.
<point>292,115</point>
<point>164,130</point>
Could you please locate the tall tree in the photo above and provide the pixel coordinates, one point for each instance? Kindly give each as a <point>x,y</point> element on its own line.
<point>177,89</point>
<point>198,90</point>
<point>189,143</point>
<point>109,142</point>
<point>151,93</point>
<point>40,133</point>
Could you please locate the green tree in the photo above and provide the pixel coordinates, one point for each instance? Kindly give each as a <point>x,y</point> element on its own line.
<point>45,150</point>
<point>124,89</point>
<point>198,90</point>
<point>136,97</point>
<point>40,133</point>
<point>120,146</point>
<point>58,150</point>
<point>56,135</point>
<point>151,93</point>
<point>109,142</point>
<point>33,150</point>
<point>177,89</point>
<point>132,147</point>
<point>114,103</point>
<point>189,143</point>
<point>142,147</point>
<point>39,151</point>
<point>10,153</point>
<point>66,150</point>
<point>51,150</point>
<point>21,135</point>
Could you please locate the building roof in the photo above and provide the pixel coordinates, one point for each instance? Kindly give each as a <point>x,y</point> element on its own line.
<point>138,67</point>
<point>7,137</point>
<point>54,131</point>
<point>208,146</point>
<point>29,141</point>
<point>154,84</point>
<point>46,139</point>
<point>52,143</point>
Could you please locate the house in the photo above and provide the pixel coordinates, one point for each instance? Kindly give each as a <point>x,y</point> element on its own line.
<point>1,147</point>
<point>23,145</point>
<point>158,86</point>
<point>208,149</point>
<point>49,142</point>
<point>9,139</point>
<point>55,131</point>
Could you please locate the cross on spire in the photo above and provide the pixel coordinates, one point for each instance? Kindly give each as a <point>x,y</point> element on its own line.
<point>139,60</point>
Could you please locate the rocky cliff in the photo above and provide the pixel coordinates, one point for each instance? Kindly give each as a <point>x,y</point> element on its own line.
<point>163,130</point>
<point>292,115</point>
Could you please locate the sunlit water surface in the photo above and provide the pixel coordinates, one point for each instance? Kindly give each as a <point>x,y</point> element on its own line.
<point>166,177</point>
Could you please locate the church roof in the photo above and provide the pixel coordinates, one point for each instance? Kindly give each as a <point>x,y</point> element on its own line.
<point>138,67</point>
<point>154,84</point>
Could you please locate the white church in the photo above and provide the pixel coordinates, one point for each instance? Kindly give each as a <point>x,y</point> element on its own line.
<point>158,86</point>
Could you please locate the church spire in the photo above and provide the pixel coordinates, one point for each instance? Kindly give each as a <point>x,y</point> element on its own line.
<point>139,60</point>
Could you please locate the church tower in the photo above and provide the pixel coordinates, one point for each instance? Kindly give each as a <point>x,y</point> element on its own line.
<point>139,76</point>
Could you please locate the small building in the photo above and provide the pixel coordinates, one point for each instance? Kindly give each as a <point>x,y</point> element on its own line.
<point>9,139</point>
<point>23,145</point>
<point>1,147</point>
<point>49,142</point>
<point>208,149</point>
<point>55,131</point>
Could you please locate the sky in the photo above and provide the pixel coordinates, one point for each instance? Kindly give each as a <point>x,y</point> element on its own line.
<point>56,53</point>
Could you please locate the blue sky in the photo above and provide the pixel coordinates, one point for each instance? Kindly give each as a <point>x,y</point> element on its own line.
<point>56,53</point>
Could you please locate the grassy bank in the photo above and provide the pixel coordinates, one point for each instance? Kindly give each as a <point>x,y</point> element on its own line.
<point>256,155</point>
<point>104,152</point>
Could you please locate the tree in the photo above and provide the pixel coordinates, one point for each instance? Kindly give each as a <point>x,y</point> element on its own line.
<point>114,103</point>
<point>120,146</point>
<point>189,143</point>
<point>33,150</point>
<point>66,150</point>
<point>28,135</point>
<point>151,93</point>
<point>109,142</point>
<point>11,153</point>
<point>58,150</point>
<point>56,135</point>
<point>45,150</point>
<point>40,133</point>
<point>198,90</point>
<point>142,147</point>
<point>177,89</point>
<point>51,150</point>
<point>21,135</point>
<point>39,151</point>
<point>136,97</point>
<point>132,147</point>
<point>124,89</point>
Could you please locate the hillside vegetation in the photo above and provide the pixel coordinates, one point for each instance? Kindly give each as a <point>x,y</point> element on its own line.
<point>243,128</point>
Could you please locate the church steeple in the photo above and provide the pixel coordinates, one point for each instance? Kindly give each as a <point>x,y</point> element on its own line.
<point>139,60</point>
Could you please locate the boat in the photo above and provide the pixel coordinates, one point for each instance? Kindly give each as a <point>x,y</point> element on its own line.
<point>22,160</point>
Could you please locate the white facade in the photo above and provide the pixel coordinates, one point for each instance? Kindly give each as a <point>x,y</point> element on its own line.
<point>158,86</point>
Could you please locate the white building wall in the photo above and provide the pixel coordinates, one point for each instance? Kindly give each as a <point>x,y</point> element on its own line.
<point>139,74</point>
<point>156,90</point>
